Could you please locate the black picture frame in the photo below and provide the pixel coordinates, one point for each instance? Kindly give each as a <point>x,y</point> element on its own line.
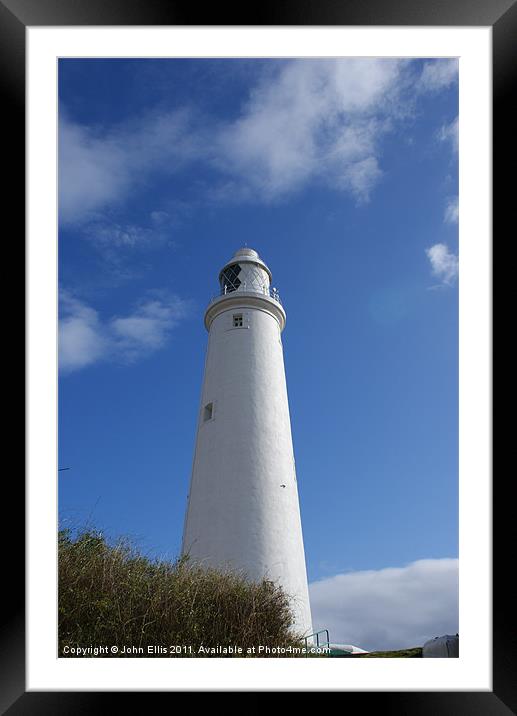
<point>501,15</point>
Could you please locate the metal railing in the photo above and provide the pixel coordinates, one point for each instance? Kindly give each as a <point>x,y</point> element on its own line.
<point>323,646</point>
<point>262,291</point>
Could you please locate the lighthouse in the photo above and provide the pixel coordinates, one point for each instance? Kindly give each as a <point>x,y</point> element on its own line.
<point>243,510</point>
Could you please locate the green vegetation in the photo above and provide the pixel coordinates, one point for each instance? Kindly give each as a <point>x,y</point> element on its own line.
<point>112,596</point>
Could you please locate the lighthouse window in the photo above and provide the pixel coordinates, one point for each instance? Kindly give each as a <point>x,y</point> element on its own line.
<point>208,412</point>
<point>230,280</point>
<point>237,320</point>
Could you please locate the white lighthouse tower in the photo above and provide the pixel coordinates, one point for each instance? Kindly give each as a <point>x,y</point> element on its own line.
<point>243,509</point>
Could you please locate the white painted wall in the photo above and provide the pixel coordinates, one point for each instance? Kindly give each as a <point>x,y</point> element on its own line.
<point>238,514</point>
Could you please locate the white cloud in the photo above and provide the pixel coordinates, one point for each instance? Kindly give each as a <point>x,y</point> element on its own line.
<point>452,211</point>
<point>147,329</point>
<point>391,608</point>
<point>113,234</point>
<point>444,264</point>
<point>438,74</point>
<point>159,217</point>
<point>304,120</point>
<point>84,339</point>
<point>99,168</point>
<point>312,120</point>
<point>93,171</point>
<point>118,243</point>
<point>81,336</point>
<point>449,133</point>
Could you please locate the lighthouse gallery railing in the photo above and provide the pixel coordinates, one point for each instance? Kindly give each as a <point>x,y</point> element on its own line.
<point>263,291</point>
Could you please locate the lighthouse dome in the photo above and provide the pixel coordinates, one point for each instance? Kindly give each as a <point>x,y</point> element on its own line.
<point>245,272</point>
<point>248,253</point>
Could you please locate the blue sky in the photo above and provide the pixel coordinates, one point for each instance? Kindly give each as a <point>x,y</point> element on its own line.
<point>343,175</point>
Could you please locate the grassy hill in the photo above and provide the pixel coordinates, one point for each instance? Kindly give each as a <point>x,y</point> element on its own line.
<point>111,596</point>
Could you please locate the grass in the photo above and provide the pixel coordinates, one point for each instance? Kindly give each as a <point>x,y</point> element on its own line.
<point>109,595</point>
<point>112,596</point>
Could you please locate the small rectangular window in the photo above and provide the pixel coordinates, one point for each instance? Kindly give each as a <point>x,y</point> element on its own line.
<point>208,412</point>
<point>237,320</point>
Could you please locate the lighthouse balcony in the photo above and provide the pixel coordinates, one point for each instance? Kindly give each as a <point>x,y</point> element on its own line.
<point>244,290</point>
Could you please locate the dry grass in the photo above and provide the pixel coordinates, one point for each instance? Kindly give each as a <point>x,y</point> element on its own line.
<point>111,595</point>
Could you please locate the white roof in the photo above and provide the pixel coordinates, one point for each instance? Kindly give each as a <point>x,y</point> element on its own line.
<point>349,647</point>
